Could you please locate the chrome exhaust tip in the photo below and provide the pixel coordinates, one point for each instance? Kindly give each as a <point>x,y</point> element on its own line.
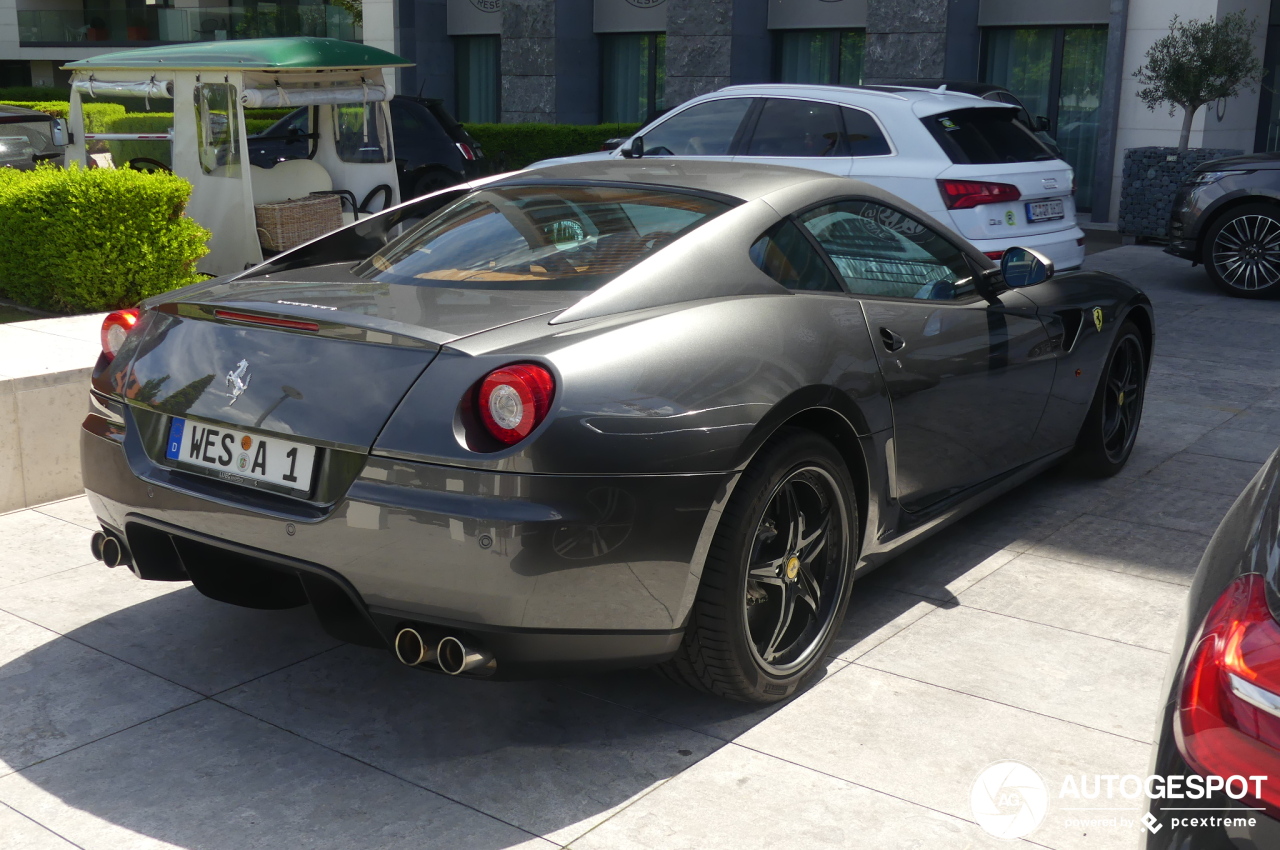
<point>112,552</point>
<point>455,657</point>
<point>95,544</point>
<point>412,650</point>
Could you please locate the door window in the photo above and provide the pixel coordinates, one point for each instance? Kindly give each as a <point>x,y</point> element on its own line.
<point>880,251</point>
<point>797,128</point>
<point>360,132</point>
<point>217,129</point>
<point>789,258</point>
<point>706,129</point>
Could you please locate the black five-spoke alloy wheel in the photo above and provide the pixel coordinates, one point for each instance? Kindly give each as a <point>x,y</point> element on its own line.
<point>1242,251</point>
<point>1111,426</point>
<point>776,582</point>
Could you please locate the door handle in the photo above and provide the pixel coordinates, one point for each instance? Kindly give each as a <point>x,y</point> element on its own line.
<point>892,342</point>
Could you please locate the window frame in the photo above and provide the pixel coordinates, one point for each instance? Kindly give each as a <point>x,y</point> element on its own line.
<point>656,55</point>
<point>748,128</point>
<point>976,270</point>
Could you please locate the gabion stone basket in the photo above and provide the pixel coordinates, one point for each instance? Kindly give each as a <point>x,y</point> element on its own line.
<point>285,224</point>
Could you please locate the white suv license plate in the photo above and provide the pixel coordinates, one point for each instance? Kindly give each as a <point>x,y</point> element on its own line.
<point>1045,210</point>
<point>240,457</point>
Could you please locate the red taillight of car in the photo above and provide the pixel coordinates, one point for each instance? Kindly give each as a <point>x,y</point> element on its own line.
<point>1228,721</point>
<point>467,153</point>
<point>967,194</point>
<point>115,329</point>
<point>514,400</point>
<point>994,255</point>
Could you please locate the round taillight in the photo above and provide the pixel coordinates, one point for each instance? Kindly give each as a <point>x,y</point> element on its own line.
<point>116,327</point>
<point>514,400</point>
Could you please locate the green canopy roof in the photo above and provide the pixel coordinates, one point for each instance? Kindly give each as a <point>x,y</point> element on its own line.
<point>277,54</point>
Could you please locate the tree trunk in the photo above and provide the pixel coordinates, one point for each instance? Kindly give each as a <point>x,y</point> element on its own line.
<point>1188,115</point>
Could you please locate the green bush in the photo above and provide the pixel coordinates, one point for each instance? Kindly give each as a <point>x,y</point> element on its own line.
<point>512,146</point>
<point>34,93</point>
<point>83,240</point>
<point>140,122</point>
<point>96,115</point>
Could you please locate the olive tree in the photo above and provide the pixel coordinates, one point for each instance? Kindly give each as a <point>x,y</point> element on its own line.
<point>1197,63</point>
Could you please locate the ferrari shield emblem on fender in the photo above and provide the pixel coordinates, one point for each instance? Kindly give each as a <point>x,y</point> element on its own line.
<point>1097,318</point>
<point>238,380</point>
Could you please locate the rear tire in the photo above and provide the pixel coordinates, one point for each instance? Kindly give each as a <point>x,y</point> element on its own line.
<point>434,180</point>
<point>1242,251</point>
<point>775,585</point>
<point>1111,426</point>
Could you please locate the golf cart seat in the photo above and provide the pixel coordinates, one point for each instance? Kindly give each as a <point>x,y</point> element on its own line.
<point>293,179</point>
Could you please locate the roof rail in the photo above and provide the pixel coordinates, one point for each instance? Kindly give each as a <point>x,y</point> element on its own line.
<point>811,87</point>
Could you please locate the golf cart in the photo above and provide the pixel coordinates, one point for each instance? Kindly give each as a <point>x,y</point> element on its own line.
<point>349,169</point>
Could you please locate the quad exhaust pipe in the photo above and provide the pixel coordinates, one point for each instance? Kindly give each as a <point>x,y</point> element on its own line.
<point>107,549</point>
<point>452,655</point>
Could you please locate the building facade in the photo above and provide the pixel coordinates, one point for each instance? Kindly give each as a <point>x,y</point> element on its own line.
<point>37,37</point>
<point>590,61</point>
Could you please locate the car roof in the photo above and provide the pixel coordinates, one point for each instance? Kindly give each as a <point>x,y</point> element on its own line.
<point>954,86</point>
<point>744,181</point>
<point>915,101</point>
<point>6,109</point>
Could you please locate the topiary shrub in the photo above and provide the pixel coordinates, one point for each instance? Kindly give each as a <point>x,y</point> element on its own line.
<point>83,240</point>
<point>512,146</point>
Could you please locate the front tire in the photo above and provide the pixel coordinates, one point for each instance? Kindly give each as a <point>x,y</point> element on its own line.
<point>776,582</point>
<point>1242,251</point>
<point>1111,427</point>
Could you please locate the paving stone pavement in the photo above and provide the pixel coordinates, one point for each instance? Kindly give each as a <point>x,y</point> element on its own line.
<point>142,715</point>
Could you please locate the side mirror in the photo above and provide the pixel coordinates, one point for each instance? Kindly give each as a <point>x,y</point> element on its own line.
<point>1041,124</point>
<point>635,150</point>
<point>1024,267</point>
<point>612,144</point>
<point>59,132</point>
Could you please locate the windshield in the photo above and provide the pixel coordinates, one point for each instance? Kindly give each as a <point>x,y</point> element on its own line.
<point>540,237</point>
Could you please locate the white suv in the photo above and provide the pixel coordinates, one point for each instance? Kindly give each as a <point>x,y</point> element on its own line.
<point>966,161</point>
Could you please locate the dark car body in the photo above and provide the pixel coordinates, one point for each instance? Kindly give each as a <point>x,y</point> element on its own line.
<point>27,138</point>
<point>1214,188</point>
<point>1247,543</point>
<point>582,546</point>
<point>432,150</point>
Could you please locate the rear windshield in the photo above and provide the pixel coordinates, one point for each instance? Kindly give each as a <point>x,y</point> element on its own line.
<point>539,237</point>
<point>985,137</point>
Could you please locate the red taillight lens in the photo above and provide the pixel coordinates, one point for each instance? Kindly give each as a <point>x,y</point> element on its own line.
<point>116,327</point>
<point>467,153</point>
<point>994,255</point>
<point>967,194</point>
<point>514,400</point>
<point>1228,721</point>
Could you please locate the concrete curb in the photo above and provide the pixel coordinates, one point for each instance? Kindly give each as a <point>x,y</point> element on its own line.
<point>44,380</point>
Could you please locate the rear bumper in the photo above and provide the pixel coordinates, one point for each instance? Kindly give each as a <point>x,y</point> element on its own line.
<point>1064,247</point>
<point>544,571</point>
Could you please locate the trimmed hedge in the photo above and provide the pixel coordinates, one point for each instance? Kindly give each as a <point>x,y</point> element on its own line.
<point>84,240</point>
<point>512,146</point>
<point>32,93</point>
<point>96,115</point>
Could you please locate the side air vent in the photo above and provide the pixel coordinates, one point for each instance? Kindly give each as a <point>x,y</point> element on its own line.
<point>1072,321</point>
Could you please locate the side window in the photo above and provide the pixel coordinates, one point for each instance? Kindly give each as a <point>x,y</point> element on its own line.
<point>785,255</point>
<point>863,136</point>
<point>360,132</point>
<point>880,251</point>
<point>296,130</point>
<point>706,129</point>
<point>797,128</point>
<point>217,129</point>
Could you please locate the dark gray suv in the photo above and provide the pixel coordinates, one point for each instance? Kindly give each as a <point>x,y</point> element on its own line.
<point>1227,216</point>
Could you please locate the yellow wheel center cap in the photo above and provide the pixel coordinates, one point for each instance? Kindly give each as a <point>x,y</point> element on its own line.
<point>793,568</point>
<point>1121,399</point>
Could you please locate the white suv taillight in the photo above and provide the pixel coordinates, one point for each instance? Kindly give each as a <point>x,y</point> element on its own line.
<point>967,194</point>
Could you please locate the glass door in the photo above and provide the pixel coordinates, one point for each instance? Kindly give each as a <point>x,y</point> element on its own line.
<point>1057,73</point>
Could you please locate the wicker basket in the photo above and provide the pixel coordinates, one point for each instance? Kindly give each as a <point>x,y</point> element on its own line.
<point>285,224</point>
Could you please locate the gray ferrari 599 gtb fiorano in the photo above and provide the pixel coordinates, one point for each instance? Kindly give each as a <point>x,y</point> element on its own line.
<point>599,415</point>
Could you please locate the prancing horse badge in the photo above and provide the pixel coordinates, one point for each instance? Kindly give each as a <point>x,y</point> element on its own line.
<point>1097,318</point>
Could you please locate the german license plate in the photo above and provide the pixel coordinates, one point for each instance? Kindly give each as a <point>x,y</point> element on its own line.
<point>240,457</point>
<point>1045,210</point>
